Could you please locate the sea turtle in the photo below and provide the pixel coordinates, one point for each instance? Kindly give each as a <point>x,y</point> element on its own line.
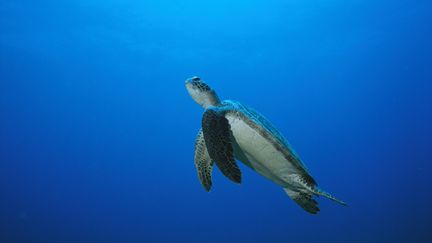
<point>231,130</point>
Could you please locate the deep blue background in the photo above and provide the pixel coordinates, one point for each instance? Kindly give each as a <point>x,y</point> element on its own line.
<point>97,129</point>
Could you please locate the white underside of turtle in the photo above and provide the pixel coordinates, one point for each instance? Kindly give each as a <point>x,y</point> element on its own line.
<point>253,149</point>
<point>232,131</point>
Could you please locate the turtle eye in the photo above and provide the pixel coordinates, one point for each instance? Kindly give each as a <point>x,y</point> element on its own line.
<point>203,86</point>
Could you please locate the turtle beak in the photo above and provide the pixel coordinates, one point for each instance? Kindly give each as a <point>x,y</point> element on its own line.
<point>188,83</point>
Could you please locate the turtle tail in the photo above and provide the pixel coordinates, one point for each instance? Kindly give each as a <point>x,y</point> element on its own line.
<point>319,192</point>
<point>314,189</point>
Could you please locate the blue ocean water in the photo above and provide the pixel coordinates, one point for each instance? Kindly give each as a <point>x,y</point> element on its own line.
<point>97,129</point>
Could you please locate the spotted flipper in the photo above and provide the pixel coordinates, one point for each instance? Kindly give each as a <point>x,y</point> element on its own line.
<point>304,200</point>
<point>203,163</point>
<point>217,132</point>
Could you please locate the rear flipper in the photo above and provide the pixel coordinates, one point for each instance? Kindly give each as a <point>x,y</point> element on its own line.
<point>306,201</point>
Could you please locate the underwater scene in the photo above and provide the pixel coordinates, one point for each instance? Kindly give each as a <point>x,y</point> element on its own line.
<point>215,121</point>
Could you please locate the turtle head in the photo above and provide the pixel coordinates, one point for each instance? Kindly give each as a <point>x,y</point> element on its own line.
<point>201,92</point>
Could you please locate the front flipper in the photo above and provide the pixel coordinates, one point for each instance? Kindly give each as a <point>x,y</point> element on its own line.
<point>216,130</point>
<point>203,163</point>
